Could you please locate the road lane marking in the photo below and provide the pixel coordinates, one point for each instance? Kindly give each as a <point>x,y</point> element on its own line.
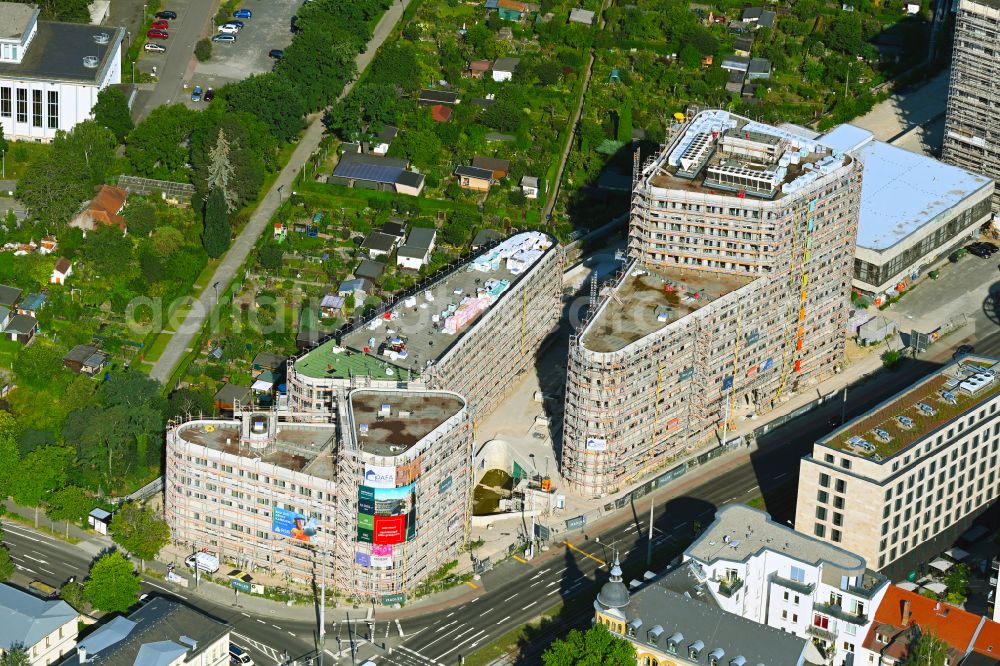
<point>290,634</point>
<point>244,614</point>
<point>415,653</point>
<point>467,640</point>
<point>555,582</point>
<point>450,614</point>
<point>486,611</point>
<point>399,628</point>
<point>472,585</point>
<point>520,560</point>
<point>36,559</point>
<point>780,475</point>
<point>330,653</point>
<point>261,621</point>
<point>51,573</point>
<point>165,589</point>
<point>510,597</point>
<point>475,600</point>
<point>23,568</point>
<point>529,605</point>
<point>499,622</point>
<point>276,626</point>
<point>555,591</point>
<point>753,489</point>
<point>585,553</point>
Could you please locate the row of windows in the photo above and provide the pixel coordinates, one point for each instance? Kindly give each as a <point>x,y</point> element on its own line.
<point>7,109</point>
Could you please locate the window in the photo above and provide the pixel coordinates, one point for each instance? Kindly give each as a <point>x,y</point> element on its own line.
<point>835,536</point>
<point>819,530</point>
<point>798,575</point>
<point>36,108</point>
<point>821,621</point>
<point>823,497</point>
<point>836,599</point>
<point>824,480</point>
<point>820,513</point>
<point>22,105</point>
<point>5,106</point>
<point>840,486</point>
<point>786,595</point>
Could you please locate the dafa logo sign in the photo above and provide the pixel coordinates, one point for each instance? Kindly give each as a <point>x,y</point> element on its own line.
<point>377,476</point>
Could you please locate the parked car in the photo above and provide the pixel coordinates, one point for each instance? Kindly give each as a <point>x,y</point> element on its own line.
<point>228,29</point>
<point>224,39</point>
<point>157,34</point>
<point>983,250</point>
<point>238,656</point>
<point>238,24</point>
<point>152,47</point>
<point>166,14</point>
<point>196,94</point>
<point>209,95</point>
<point>277,54</point>
<point>243,13</point>
<point>160,25</point>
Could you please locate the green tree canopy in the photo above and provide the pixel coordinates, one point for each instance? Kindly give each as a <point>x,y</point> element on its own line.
<point>16,655</point>
<point>38,364</point>
<point>6,565</point>
<point>140,215</point>
<point>217,231</point>
<point>73,594</point>
<point>69,503</point>
<point>929,650</point>
<point>111,111</point>
<point>113,585</point>
<point>139,531</point>
<point>271,257</point>
<point>273,99</point>
<point>156,147</point>
<point>595,647</point>
<point>109,251</point>
<point>41,471</point>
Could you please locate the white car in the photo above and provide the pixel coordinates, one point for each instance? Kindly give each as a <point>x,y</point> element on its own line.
<point>228,29</point>
<point>151,47</point>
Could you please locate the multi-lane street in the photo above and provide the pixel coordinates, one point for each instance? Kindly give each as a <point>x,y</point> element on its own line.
<point>516,591</point>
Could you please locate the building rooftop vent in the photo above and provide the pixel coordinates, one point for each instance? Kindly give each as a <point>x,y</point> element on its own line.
<point>102,38</point>
<point>91,62</point>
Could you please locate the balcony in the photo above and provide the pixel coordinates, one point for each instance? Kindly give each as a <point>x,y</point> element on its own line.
<point>870,583</point>
<point>820,632</point>
<point>838,612</point>
<point>729,587</point>
<point>794,585</point>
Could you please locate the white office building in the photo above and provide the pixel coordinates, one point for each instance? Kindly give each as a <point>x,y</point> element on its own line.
<point>51,73</point>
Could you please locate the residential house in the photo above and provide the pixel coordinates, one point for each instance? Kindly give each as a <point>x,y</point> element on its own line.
<point>161,632</point>
<point>903,616</point>
<point>394,227</point>
<point>676,620</point>
<point>441,113</point>
<point>511,10</point>
<point>100,520</point>
<point>385,137</point>
<point>31,304</point>
<point>735,63</point>
<point>280,232</point>
<point>584,16</point>
<point>529,186</point>
<point>357,287</point>
<point>18,327</point>
<point>378,244</point>
<point>332,306</point>
<point>505,34</point>
<point>743,45</point>
<point>9,296</point>
<point>478,68</point>
<point>759,17</point>
<point>769,573</point>
<point>759,68</point>
<point>473,178</point>
<point>103,210</point>
<point>373,172</point>
<point>499,168</point>
<point>62,270</point>
<point>735,82</point>
<point>85,359</point>
<point>738,27</point>
<point>46,628</point>
<point>229,396</point>
<point>504,68</point>
<point>270,362</point>
<point>429,97</point>
<point>485,237</point>
<point>417,250</point>
<point>370,270</point>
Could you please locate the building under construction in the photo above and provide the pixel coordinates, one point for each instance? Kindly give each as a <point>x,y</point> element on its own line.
<point>473,330</point>
<point>372,501</point>
<point>972,128</point>
<point>734,297</point>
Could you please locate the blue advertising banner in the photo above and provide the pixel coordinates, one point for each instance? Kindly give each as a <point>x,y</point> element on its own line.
<point>292,524</point>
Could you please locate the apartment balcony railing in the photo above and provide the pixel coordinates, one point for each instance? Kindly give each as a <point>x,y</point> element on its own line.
<point>820,632</point>
<point>840,613</point>
<point>794,585</point>
<point>729,587</point>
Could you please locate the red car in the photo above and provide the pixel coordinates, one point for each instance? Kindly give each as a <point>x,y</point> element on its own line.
<point>160,25</point>
<point>157,34</point>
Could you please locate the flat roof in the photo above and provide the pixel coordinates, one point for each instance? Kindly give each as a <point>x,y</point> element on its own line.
<point>301,447</point>
<point>967,385</point>
<point>15,19</point>
<point>58,50</point>
<point>411,416</point>
<point>903,191</point>
<point>740,532</point>
<point>422,326</point>
<point>649,299</point>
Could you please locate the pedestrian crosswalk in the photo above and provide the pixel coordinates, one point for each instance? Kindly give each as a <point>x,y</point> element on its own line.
<point>248,643</point>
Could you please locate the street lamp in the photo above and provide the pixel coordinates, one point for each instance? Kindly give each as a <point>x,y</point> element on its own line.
<point>216,287</point>
<point>280,194</point>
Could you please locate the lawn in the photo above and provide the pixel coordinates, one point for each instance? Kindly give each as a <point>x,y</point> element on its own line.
<point>19,154</point>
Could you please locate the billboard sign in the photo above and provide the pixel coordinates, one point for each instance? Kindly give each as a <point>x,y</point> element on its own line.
<point>293,524</point>
<point>594,444</point>
<point>366,521</point>
<point>390,529</point>
<point>445,485</point>
<point>381,557</point>
<point>386,516</point>
<point>393,599</point>
<point>408,473</point>
<point>240,585</point>
<point>378,476</point>
<point>364,559</point>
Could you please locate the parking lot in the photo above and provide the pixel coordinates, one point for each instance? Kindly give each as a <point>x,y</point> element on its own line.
<point>270,28</point>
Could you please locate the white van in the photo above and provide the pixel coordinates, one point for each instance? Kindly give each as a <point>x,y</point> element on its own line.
<point>238,656</point>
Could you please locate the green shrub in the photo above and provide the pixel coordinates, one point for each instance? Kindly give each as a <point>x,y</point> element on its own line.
<point>203,50</point>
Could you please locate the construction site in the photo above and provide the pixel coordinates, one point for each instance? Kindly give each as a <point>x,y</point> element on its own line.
<point>372,504</point>
<point>472,330</point>
<point>734,298</point>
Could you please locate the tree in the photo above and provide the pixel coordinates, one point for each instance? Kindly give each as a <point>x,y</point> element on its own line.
<point>203,50</point>
<point>548,72</point>
<point>16,655</point>
<point>891,358</point>
<point>690,57</point>
<point>422,147</point>
<point>10,461</point>
<point>112,112</point>
<point>41,471</point>
<point>595,647</point>
<point>37,364</point>
<point>220,171</point>
<point>184,401</point>
<point>216,235</point>
<point>271,257</point>
<point>845,33</point>
<point>6,565</point>
<point>73,594</point>
<point>957,580</point>
<point>113,585</point>
<point>273,99</point>
<point>4,146</point>
<point>140,215</point>
<point>138,530</point>
<point>156,147</point>
<point>929,650</point>
<point>70,503</point>
<point>109,251</point>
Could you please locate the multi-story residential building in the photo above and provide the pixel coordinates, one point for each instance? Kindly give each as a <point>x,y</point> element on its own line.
<point>472,329</point>
<point>46,629</point>
<point>161,632</point>
<point>741,245</point>
<point>899,483</point>
<point>972,130</point>
<point>51,73</point>
<point>675,620</point>
<point>914,210</point>
<point>769,573</point>
<point>378,497</point>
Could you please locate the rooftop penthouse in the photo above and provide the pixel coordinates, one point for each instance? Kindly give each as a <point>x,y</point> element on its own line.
<point>647,300</point>
<point>420,326</point>
<point>388,423</point>
<point>919,411</point>
<point>300,447</point>
<point>722,152</point>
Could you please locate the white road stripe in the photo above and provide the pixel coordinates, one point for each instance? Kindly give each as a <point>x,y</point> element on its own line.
<point>555,591</point>
<point>35,559</point>
<point>467,640</point>
<point>53,573</point>
<point>23,568</point>
<point>529,605</point>
<point>510,597</point>
<point>555,582</point>
<point>499,622</point>
<point>414,652</point>
<point>165,589</point>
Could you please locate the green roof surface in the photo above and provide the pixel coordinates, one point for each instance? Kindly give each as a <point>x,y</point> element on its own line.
<point>324,362</point>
